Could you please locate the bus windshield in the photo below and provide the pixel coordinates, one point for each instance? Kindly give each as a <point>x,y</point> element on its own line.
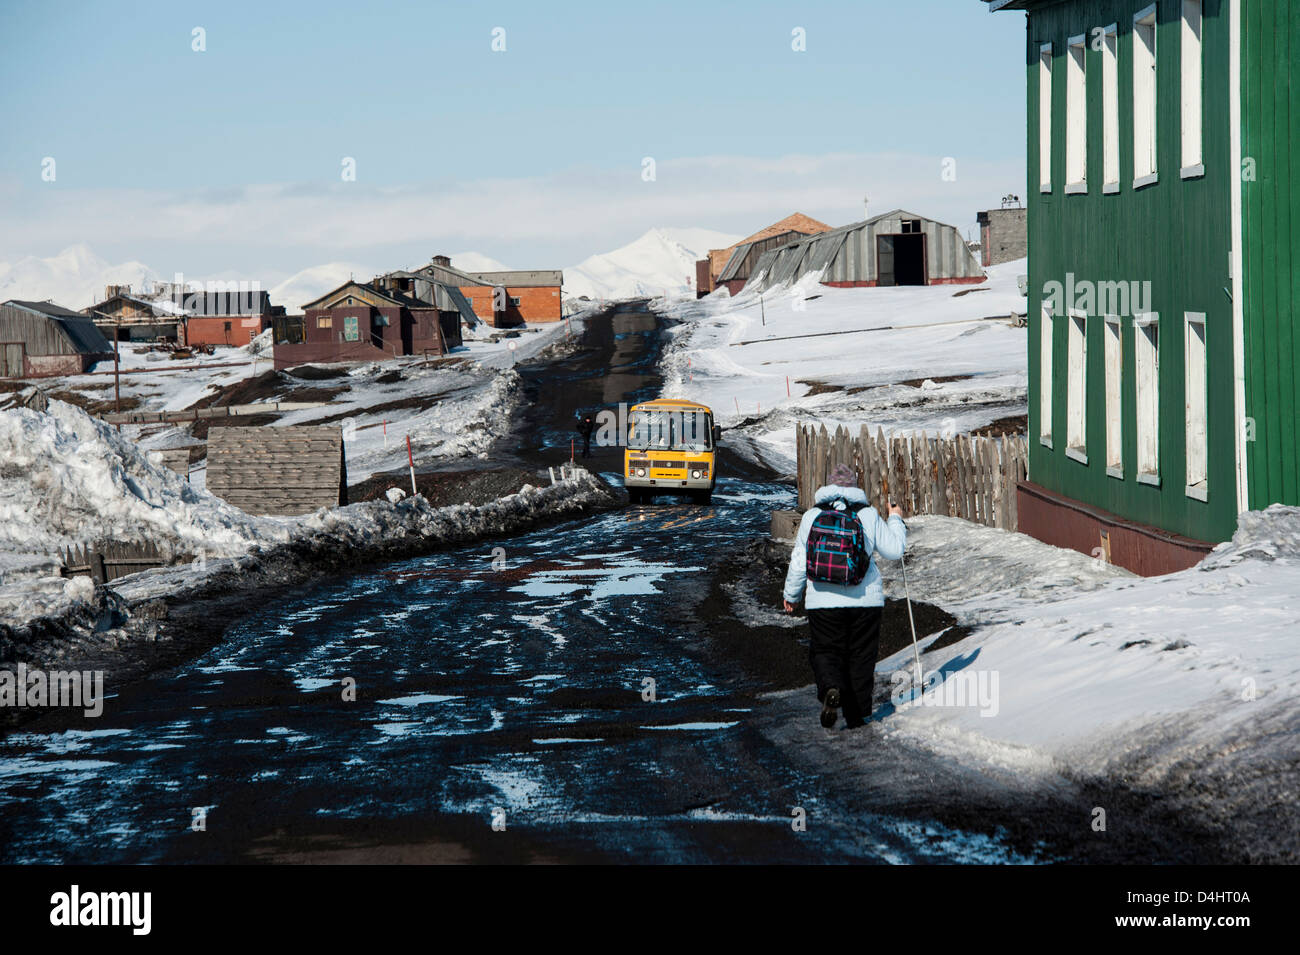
<point>670,431</point>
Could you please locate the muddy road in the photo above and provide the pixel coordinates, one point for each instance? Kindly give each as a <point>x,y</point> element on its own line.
<point>536,698</point>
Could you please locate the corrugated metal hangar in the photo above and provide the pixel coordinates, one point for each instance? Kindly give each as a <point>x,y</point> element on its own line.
<point>895,248</point>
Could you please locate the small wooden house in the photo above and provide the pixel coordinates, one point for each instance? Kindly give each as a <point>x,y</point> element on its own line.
<point>129,317</point>
<point>371,321</point>
<point>40,339</point>
<point>1164,271</point>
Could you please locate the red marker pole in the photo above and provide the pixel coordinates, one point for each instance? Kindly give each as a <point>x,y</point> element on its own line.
<point>385,432</point>
<point>787,386</point>
<point>571,441</point>
<point>410,459</point>
<point>737,401</point>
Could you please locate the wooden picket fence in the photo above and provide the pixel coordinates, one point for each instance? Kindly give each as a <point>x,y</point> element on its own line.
<point>109,560</point>
<point>967,476</point>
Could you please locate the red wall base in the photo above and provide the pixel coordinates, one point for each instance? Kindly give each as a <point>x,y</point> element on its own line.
<point>974,280</point>
<point>1064,522</point>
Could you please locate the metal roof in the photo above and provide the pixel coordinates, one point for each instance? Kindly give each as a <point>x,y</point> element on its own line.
<point>219,304</point>
<point>83,334</point>
<point>524,278</point>
<point>735,261</point>
<point>48,309</point>
<point>76,327</point>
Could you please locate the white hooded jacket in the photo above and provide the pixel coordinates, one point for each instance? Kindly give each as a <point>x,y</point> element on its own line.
<point>887,538</point>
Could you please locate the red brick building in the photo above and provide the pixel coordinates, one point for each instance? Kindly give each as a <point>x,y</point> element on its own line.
<point>223,318</point>
<point>505,298</point>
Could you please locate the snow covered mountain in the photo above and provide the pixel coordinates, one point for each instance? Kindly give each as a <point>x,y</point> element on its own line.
<point>662,260</point>
<point>74,278</point>
<point>311,283</point>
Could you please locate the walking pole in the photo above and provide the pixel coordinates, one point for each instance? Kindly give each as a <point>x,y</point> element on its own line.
<point>916,652</point>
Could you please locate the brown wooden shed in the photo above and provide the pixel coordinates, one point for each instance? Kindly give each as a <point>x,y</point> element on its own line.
<point>279,471</point>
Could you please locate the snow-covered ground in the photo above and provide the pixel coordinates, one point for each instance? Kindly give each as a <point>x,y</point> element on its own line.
<point>67,478</point>
<point>1087,654</point>
<point>842,353</point>
<point>1080,674</point>
<point>452,408</point>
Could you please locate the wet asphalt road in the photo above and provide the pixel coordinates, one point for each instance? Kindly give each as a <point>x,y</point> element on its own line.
<point>526,699</point>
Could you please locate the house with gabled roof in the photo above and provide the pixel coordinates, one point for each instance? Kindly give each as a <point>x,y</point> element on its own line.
<point>372,321</point>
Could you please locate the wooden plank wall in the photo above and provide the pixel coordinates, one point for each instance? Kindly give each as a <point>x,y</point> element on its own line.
<point>111,559</point>
<point>281,471</point>
<point>965,476</point>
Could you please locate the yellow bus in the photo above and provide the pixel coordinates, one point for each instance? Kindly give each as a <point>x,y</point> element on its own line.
<point>671,449</point>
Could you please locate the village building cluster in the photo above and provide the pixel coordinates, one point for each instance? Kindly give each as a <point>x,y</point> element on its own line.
<point>423,311</point>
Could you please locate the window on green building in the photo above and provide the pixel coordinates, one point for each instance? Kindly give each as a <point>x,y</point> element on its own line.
<point>1146,338</point>
<point>1045,378</point>
<point>1076,396</point>
<point>1192,79</point>
<point>1110,108</point>
<point>1197,401</point>
<point>1076,116</point>
<point>1144,97</point>
<point>1114,360</point>
<point>1045,117</point>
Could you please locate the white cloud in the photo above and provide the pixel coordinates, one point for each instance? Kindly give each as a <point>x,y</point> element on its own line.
<point>548,219</point>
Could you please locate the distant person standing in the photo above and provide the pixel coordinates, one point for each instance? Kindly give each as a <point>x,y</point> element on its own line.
<point>845,599</point>
<point>585,428</point>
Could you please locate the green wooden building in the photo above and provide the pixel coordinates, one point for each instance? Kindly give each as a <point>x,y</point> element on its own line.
<point>1164,271</point>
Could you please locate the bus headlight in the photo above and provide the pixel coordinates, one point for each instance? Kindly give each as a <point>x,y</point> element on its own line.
<point>640,472</point>
<point>696,474</point>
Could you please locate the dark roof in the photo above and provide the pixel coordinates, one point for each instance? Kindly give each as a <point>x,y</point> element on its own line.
<point>83,334</point>
<point>996,5</point>
<point>218,304</point>
<point>77,328</point>
<point>46,308</point>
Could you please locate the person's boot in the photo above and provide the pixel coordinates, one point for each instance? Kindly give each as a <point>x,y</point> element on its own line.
<point>830,707</point>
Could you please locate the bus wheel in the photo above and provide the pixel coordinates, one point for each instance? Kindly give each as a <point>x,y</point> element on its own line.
<point>635,496</point>
<point>702,497</point>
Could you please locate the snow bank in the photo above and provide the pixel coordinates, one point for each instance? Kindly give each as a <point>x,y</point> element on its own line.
<point>67,478</point>
<point>1095,668</point>
<point>739,355</point>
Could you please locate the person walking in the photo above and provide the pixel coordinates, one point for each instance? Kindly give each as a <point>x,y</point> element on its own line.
<point>832,563</point>
<point>585,427</point>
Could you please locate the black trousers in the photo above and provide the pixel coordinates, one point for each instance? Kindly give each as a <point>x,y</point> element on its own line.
<point>842,648</point>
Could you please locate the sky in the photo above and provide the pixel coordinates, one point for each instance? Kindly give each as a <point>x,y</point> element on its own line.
<point>588,124</point>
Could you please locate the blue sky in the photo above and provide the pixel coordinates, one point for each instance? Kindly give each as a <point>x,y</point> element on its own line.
<point>532,155</point>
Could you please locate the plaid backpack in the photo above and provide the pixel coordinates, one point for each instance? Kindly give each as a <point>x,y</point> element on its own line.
<point>837,545</point>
